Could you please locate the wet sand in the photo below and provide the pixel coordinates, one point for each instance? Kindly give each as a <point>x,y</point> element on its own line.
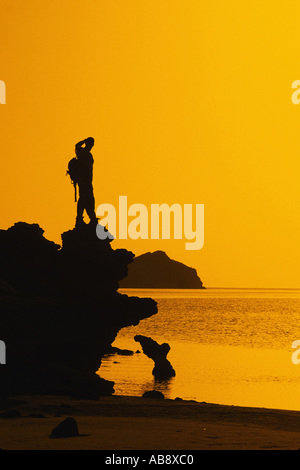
<point>132,423</point>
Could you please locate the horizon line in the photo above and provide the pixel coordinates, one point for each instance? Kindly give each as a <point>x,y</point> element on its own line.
<point>210,287</point>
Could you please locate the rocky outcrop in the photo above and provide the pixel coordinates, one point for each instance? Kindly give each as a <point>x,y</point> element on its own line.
<point>67,428</point>
<point>61,310</point>
<point>158,353</point>
<point>157,271</point>
<point>154,394</point>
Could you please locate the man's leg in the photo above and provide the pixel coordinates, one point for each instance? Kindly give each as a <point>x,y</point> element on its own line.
<point>90,206</point>
<point>80,209</point>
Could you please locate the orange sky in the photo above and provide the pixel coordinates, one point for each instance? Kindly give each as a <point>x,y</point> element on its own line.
<point>188,102</point>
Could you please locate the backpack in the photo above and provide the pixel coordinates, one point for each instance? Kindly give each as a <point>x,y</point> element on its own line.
<point>73,172</point>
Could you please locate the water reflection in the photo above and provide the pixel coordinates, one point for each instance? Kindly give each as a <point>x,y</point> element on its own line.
<point>228,347</point>
<point>163,386</point>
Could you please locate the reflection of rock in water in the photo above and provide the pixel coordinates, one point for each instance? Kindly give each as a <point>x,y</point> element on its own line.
<point>153,394</point>
<point>158,353</point>
<point>60,310</point>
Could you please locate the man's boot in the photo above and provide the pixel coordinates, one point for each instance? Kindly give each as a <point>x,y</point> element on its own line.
<point>93,221</point>
<point>80,222</point>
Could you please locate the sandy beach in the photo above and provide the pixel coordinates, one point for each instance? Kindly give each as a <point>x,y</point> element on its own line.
<point>133,423</point>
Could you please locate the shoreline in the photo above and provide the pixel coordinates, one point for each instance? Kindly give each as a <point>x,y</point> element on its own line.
<point>134,423</point>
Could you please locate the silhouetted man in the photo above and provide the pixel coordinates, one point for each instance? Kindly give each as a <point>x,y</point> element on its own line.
<point>84,179</point>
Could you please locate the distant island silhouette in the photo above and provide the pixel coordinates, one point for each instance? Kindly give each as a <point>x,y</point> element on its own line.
<point>157,271</point>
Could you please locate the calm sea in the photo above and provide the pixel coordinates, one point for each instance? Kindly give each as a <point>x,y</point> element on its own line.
<point>228,346</point>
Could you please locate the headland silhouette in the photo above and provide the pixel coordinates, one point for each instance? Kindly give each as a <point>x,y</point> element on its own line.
<point>60,305</point>
<point>61,308</point>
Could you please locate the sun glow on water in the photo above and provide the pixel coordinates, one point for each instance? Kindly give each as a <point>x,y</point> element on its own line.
<point>228,346</point>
